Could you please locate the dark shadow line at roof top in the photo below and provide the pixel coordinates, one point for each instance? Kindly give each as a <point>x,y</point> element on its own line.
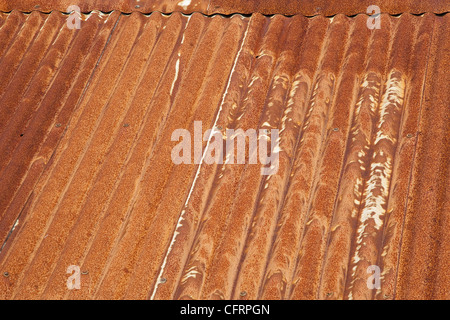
<point>229,15</point>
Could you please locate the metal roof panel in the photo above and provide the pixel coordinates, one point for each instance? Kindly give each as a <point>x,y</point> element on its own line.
<point>87,178</point>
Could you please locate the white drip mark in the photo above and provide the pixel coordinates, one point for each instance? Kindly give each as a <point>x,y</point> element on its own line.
<point>15,225</point>
<point>181,218</point>
<point>191,273</point>
<point>177,65</point>
<point>184,4</point>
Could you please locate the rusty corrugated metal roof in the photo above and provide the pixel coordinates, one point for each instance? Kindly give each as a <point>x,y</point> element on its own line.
<point>87,177</point>
<point>267,7</point>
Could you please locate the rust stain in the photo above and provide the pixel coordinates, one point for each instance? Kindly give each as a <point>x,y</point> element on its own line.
<point>87,179</point>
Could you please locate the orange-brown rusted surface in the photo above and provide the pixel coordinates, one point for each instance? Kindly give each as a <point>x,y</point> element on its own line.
<point>87,179</point>
<point>209,7</point>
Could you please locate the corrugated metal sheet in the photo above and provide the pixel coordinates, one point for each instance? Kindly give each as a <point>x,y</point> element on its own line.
<point>267,7</point>
<point>87,179</point>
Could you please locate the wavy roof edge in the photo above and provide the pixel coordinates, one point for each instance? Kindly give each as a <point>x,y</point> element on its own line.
<point>216,14</point>
<point>227,7</point>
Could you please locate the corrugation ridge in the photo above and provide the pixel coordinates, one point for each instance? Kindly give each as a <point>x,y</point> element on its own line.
<point>47,165</point>
<point>126,167</point>
<point>404,156</point>
<point>374,66</point>
<point>361,194</point>
<point>134,141</point>
<point>7,23</point>
<point>316,122</point>
<point>24,112</point>
<point>144,281</point>
<point>423,219</point>
<point>175,175</point>
<point>167,100</point>
<point>183,33</point>
<point>174,246</point>
<point>45,187</point>
<point>41,155</point>
<point>190,288</point>
<point>33,122</point>
<point>395,156</point>
<point>357,100</point>
<point>18,31</point>
<point>75,118</point>
<point>302,78</point>
<point>209,220</point>
<point>7,139</point>
<point>327,163</point>
<point>331,151</point>
<point>83,216</point>
<point>128,154</point>
<point>239,116</point>
<point>118,278</point>
<point>193,210</point>
<point>49,176</point>
<point>236,92</point>
<point>91,143</point>
<point>288,121</point>
<point>19,117</point>
<point>202,41</point>
<point>254,173</point>
<point>279,256</point>
<point>56,153</point>
<point>14,166</point>
<point>374,69</point>
<point>414,159</point>
<point>10,110</point>
<point>377,186</point>
<point>27,210</point>
<point>56,218</point>
<point>273,274</point>
<point>364,154</point>
<point>278,107</point>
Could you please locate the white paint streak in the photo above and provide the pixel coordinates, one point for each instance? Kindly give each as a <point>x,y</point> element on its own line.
<point>191,273</point>
<point>15,225</point>
<point>177,65</point>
